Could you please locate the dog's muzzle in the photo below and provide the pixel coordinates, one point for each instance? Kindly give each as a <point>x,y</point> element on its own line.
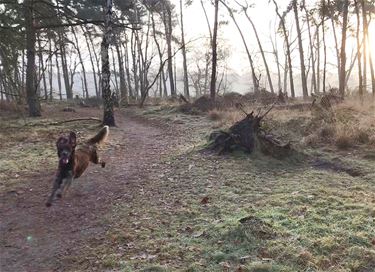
<point>64,160</point>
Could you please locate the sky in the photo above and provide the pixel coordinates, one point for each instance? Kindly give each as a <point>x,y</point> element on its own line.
<point>265,19</point>
<point>263,15</point>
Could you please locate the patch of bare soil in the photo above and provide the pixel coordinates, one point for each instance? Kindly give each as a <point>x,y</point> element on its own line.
<point>36,238</point>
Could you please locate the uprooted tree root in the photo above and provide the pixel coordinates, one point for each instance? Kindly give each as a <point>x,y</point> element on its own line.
<point>247,134</point>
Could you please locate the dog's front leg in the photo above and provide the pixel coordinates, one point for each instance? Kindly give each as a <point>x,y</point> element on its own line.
<point>56,186</point>
<point>67,183</point>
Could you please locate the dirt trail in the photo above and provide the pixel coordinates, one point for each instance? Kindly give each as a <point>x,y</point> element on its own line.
<point>36,238</point>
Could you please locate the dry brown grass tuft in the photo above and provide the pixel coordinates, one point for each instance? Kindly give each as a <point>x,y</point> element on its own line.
<point>343,140</point>
<point>312,140</point>
<point>349,135</point>
<point>327,131</point>
<point>11,107</point>
<point>215,115</point>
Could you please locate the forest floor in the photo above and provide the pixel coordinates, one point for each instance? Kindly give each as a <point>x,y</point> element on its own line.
<point>162,204</point>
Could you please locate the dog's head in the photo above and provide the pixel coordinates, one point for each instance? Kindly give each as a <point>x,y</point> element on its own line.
<point>65,148</point>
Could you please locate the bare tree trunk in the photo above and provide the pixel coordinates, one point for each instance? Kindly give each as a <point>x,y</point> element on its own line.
<point>143,58</point>
<point>127,67</point>
<point>140,66</point>
<point>184,62</point>
<point>109,117</point>
<point>83,87</point>
<point>58,75</point>
<point>275,52</point>
<point>364,43</point>
<point>160,86</point>
<point>254,78</point>
<point>206,72</point>
<point>31,94</point>
<point>207,20</point>
<point>214,53</point>
<point>208,59</point>
<point>72,72</point>
<point>134,62</point>
<point>115,73</point>
<point>286,75</point>
<point>301,55</point>
<point>332,17</point>
<point>324,58</point>
<point>288,52</point>
<point>313,77</point>
<point>50,72</point>
<point>168,32</point>
<point>359,61</point>
<point>317,58</point>
<point>349,71</point>
<point>123,88</point>
<point>64,65</point>
<point>343,50</point>
<point>41,68</point>
<point>1,88</point>
<point>175,75</point>
<point>85,91</point>
<point>92,63</point>
<point>23,71</point>
<point>160,54</point>
<point>97,60</point>
<point>260,49</point>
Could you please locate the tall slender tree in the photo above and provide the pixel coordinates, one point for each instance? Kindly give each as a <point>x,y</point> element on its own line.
<point>214,52</point>
<point>288,49</point>
<point>269,78</point>
<point>342,79</point>
<point>250,58</point>
<point>108,98</point>
<point>31,92</point>
<point>300,48</point>
<point>184,63</point>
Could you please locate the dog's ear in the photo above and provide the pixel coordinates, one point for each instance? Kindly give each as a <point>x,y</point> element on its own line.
<point>73,139</point>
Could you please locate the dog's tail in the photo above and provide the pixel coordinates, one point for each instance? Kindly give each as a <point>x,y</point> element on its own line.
<point>100,137</point>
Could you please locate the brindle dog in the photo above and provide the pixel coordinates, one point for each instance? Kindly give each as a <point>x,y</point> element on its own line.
<point>74,161</point>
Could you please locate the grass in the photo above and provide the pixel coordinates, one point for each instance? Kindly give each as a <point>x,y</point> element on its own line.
<point>259,213</point>
<point>26,143</point>
<point>301,219</point>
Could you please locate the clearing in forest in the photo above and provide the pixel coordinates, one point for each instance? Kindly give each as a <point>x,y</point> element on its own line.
<point>163,204</point>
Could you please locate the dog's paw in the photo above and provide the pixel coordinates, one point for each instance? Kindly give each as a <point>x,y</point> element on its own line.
<point>103,164</point>
<point>48,204</point>
<point>59,195</point>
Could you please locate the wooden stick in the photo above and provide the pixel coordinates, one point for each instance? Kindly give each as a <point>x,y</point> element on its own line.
<point>56,123</point>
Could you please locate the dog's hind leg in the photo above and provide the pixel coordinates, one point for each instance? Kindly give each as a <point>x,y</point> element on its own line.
<point>56,186</point>
<point>95,159</point>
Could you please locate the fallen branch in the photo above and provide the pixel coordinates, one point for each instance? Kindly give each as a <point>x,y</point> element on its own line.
<point>73,120</point>
<point>56,123</point>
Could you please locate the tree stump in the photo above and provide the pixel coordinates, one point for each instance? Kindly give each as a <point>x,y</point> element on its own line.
<point>248,135</point>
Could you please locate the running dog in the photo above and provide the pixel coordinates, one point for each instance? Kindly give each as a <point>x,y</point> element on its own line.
<point>74,161</point>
